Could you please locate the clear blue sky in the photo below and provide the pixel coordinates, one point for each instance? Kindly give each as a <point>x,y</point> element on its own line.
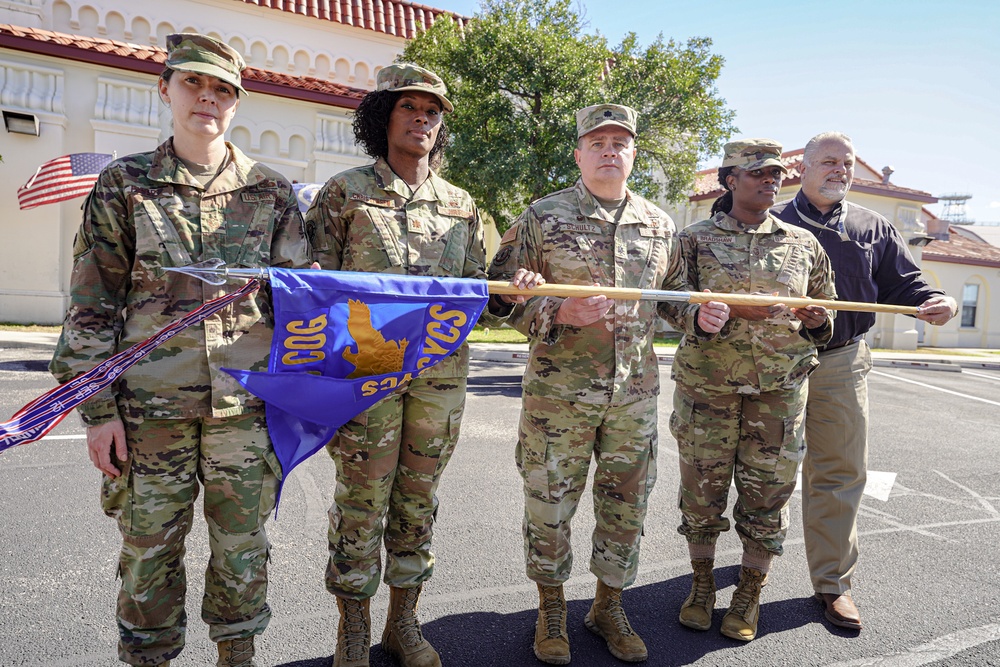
<point>915,83</point>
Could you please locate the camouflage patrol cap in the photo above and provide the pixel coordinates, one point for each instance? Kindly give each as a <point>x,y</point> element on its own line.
<point>749,154</point>
<point>407,76</point>
<point>599,115</point>
<point>191,52</point>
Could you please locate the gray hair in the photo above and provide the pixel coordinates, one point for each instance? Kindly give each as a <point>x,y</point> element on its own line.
<point>814,143</point>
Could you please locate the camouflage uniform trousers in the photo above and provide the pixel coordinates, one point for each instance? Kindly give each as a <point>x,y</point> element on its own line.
<point>389,462</point>
<point>758,438</point>
<point>153,501</point>
<point>556,441</point>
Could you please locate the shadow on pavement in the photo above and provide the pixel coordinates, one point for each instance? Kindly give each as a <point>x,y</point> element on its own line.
<point>495,385</point>
<point>492,639</point>
<point>26,366</point>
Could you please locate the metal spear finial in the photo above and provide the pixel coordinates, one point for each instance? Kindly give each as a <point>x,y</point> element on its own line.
<point>215,272</point>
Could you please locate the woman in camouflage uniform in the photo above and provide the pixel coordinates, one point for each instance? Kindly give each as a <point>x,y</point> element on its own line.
<point>739,401</point>
<point>395,216</point>
<point>174,419</point>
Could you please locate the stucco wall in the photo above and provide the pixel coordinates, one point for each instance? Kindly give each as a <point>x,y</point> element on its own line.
<point>952,278</point>
<point>89,108</point>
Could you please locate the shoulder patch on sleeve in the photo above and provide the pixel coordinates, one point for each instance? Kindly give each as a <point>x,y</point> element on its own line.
<point>502,255</point>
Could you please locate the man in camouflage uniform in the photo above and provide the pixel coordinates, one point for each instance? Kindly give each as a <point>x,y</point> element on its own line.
<point>174,418</point>
<point>739,400</point>
<point>592,378</point>
<point>395,216</point>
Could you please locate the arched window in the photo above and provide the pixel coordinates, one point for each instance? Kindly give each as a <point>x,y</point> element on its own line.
<point>970,304</point>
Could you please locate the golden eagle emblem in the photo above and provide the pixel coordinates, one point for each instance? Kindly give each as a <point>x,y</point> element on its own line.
<point>375,355</point>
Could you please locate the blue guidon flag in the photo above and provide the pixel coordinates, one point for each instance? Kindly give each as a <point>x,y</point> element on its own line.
<point>343,341</point>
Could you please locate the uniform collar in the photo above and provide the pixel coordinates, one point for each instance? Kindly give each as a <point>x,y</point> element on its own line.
<point>240,172</point>
<point>591,208</point>
<point>430,190</point>
<point>726,222</point>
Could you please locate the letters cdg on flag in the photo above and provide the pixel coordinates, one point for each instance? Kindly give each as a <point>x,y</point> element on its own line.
<point>345,340</point>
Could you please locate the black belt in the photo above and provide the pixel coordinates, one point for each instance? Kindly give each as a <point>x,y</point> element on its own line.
<point>837,346</point>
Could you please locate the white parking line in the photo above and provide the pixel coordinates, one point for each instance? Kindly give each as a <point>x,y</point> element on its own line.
<point>985,504</point>
<point>936,650</point>
<point>930,386</point>
<point>992,378</point>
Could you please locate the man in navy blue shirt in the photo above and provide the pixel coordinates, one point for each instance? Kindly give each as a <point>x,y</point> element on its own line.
<point>871,263</point>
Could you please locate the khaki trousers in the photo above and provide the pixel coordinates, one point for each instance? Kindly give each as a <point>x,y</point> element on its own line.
<point>836,465</point>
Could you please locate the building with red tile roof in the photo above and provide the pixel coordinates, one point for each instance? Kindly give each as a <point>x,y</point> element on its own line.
<point>968,268</point>
<point>84,73</point>
<point>959,248</point>
<point>149,59</point>
<point>392,17</point>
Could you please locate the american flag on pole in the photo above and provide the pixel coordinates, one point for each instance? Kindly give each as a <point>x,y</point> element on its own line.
<point>62,178</point>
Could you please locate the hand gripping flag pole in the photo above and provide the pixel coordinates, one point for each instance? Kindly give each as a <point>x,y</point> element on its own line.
<point>216,273</point>
<point>345,340</point>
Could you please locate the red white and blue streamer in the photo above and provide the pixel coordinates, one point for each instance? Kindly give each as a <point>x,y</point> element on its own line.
<point>41,415</point>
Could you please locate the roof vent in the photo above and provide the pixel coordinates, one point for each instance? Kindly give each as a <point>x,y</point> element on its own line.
<point>886,173</point>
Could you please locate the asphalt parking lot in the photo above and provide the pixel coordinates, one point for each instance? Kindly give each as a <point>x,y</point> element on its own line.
<point>928,585</point>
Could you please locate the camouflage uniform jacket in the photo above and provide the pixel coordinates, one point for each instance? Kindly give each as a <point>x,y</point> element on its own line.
<point>750,357</point>
<point>570,238</point>
<point>146,212</point>
<point>365,219</point>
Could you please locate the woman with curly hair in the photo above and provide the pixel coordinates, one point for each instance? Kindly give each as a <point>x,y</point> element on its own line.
<point>395,216</point>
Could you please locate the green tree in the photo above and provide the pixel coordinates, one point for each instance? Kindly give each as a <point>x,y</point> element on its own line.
<point>523,68</point>
<point>681,117</point>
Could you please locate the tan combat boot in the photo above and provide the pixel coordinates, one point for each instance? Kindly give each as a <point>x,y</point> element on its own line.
<point>354,633</point>
<point>740,622</point>
<point>551,638</point>
<point>236,652</point>
<point>607,619</point>
<point>402,638</point>
<point>696,612</point>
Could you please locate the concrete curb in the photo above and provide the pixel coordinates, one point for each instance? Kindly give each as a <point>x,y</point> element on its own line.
<point>28,339</point>
<point>517,353</point>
